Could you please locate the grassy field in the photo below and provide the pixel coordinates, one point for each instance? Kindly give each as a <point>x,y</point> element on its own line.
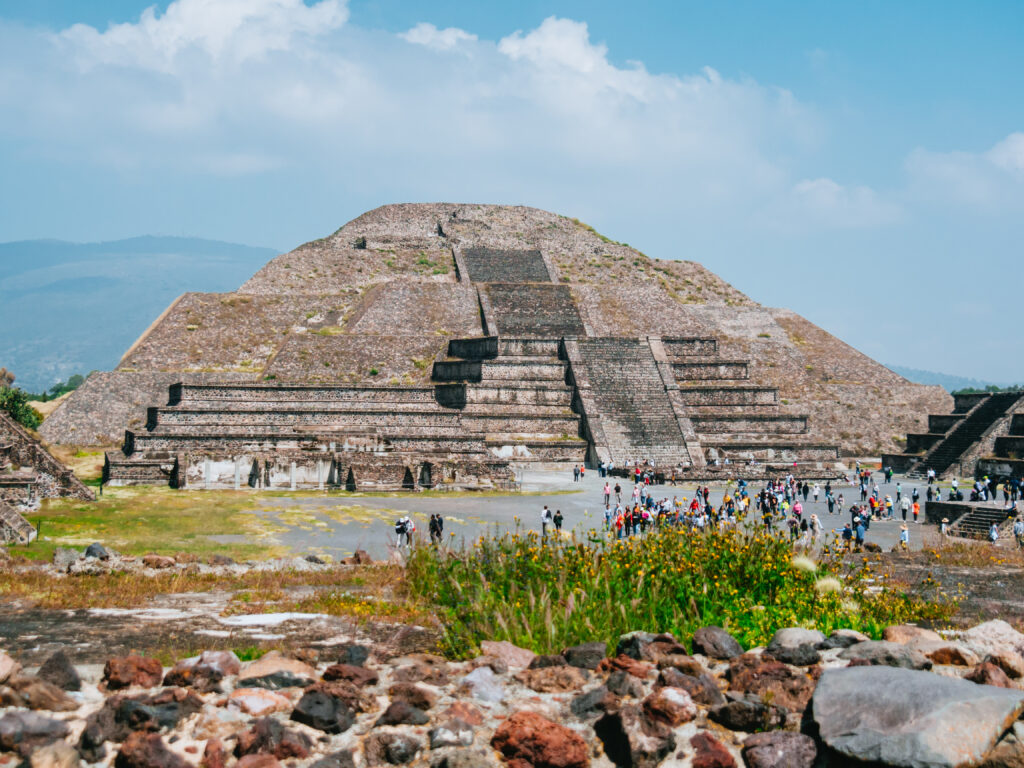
<point>140,520</point>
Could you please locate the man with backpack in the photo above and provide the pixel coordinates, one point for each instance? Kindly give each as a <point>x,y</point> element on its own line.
<point>436,528</point>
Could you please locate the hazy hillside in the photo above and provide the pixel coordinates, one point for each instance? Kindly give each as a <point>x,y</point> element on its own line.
<point>73,307</point>
<point>947,381</point>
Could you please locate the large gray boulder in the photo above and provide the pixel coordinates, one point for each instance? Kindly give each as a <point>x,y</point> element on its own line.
<point>911,719</point>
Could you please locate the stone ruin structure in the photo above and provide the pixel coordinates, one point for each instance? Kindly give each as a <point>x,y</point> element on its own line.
<point>445,345</point>
<point>984,435</point>
<point>29,473</point>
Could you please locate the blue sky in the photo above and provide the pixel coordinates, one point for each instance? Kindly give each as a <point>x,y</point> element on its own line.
<point>861,163</point>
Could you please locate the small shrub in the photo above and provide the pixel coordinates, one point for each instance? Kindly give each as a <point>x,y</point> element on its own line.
<point>374,371</point>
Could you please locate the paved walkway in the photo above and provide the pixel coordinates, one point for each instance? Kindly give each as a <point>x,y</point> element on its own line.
<point>338,524</point>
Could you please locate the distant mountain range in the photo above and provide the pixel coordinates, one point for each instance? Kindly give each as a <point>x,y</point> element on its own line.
<point>70,308</point>
<point>947,381</point>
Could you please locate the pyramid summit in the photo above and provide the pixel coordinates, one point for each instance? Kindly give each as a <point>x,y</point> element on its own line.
<point>443,344</point>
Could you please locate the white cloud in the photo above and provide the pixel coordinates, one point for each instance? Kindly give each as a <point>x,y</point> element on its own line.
<point>1008,154</point>
<point>236,29</point>
<point>430,36</point>
<point>992,180</point>
<point>824,201</point>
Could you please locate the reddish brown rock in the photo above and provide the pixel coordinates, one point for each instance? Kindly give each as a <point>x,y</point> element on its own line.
<point>467,713</point>
<point>147,750</point>
<point>672,706</point>
<point>214,755</point>
<point>416,695</point>
<point>33,693</point>
<point>626,664</point>
<point>260,760</point>
<point>772,680</point>
<point>126,671</point>
<point>708,752</point>
<point>988,673</point>
<point>553,679</point>
<point>271,737</point>
<point>356,675</point>
<point>703,689</point>
<point>1011,663</point>
<point>528,740</point>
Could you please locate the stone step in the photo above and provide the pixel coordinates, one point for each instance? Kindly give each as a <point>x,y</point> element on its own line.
<point>770,451</point>
<point>728,396</point>
<point>490,347</point>
<point>679,347</point>
<point>501,369</point>
<point>748,423</point>
<point>542,310</point>
<point>236,443</point>
<point>713,369</point>
<point>508,393</point>
<point>191,393</point>
<point>473,421</point>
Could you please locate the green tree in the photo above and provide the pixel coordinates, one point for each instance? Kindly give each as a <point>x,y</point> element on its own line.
<point>14,402</point>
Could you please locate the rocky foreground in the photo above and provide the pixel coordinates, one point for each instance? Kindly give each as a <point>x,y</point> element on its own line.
<point>915,699</point>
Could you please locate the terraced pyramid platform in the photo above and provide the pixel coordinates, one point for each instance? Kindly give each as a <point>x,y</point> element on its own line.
<point>984,435</point>
<point>448,345</point>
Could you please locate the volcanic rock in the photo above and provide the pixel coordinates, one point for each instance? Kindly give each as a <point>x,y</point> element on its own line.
<point>585,655</point>
<point>716,643</point>
<point>528,740</point>
<point>709,752</point>
<point>779,749</point>
<point>59,670</point>
<point>272,737</point>
<point>326,713</point>
<point>126,671</point>
<point>393,748</point>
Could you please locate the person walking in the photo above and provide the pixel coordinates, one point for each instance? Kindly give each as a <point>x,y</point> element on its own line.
<point>558,520</point>
<point>607,493</point>
<point>436,528</point>
<point>904,537</point>
<point>618,493</point>
<point>575,473</point>
<point>545,520</point>
<point>904,508</point>
<point>944,530</point>
<point>917,510</point>
<point>993,534</point>
<point>1018,532</point>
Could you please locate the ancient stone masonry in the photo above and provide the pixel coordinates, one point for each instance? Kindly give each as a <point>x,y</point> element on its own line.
<point>984,435</point>
<point>28,472</point>
<point>14,528</point>
<point>446,345</point>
